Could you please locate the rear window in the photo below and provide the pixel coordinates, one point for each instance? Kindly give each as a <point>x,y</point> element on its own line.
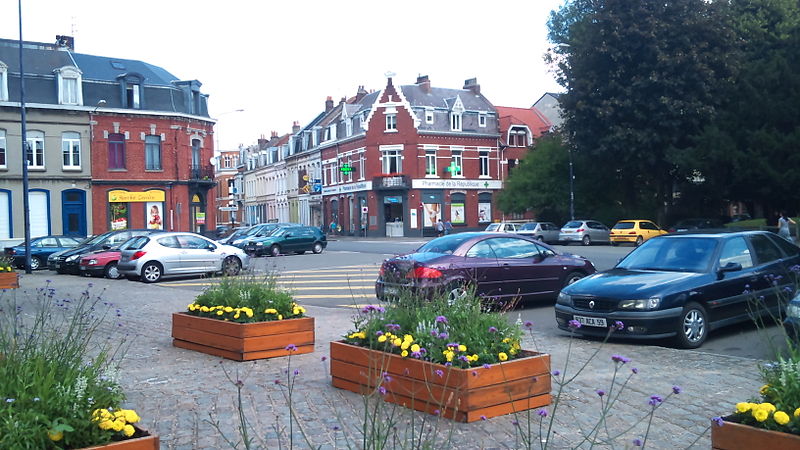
<point>493,227</point>
<point>573,224</point>
<point>787,247</point>
<point>624,226</point>
<point>135,243</point>
<point>444,244</point>
<point>528,226</point>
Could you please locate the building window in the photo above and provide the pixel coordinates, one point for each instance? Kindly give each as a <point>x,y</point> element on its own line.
<point>391,122</point>
<point>483,157</point>
<point>430,162</point>
<point>455,121</point>
<point>3,163</point>
<point>518,137</point>
<point>71,150</point>
<point>34,154</point>
<point>392,159</point>
<point>456,169</point>
<point>3,82</point>
<point>152,152</point>
<point>116,151</point>
<point>429,116</point>
<point>348,126</point>
<point>69,86</point>
<point>133,95</point>
<point>482,120</point>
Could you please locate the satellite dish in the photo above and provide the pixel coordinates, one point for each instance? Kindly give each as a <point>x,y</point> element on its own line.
<point>213,161</point>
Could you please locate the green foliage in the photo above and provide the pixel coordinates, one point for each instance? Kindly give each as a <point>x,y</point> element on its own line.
<point>55,370</point>
<point>246,299</point>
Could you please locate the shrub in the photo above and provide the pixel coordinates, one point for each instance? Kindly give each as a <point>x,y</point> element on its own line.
<point>246,300</point>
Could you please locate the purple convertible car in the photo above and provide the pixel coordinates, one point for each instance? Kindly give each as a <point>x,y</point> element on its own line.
<point>500,266</point>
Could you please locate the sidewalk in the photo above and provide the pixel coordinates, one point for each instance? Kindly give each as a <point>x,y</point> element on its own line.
<point>177,391</point>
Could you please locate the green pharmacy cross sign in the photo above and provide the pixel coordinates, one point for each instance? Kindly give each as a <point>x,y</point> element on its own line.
<point>346,168</point>
<point>453,168</point>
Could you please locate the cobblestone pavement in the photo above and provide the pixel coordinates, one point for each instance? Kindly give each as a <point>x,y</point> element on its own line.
<point>179,393</point>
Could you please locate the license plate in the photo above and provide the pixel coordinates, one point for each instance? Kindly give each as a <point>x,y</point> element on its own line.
<point>57,265</point>
<point>591,321</point>
<point>83,267</point>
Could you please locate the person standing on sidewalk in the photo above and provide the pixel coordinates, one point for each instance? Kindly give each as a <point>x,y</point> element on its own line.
<point>448,227</point>
<point>439,227</point>
<point>783,226</point>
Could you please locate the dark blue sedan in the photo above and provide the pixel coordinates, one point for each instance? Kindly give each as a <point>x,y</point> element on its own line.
<point>41,248</point>
<point>683,286</point>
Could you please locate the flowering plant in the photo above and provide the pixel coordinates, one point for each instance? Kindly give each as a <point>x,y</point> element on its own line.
<point>461,334</point>
<point>6,264</point>
<point>246,300</point>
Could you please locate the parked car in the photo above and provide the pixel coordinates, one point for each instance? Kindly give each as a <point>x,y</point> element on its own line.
<point>502,227</point>
<point>542,231</point>
<point>236,234</point>
<point>682,286</point>
<point>495,265</point>
<point>296,239</point>
<point>634,231</point>
<point>101,263</point>
<point>584,231</point>
<point>68,261</point>
<point>258,231</point>
<point>149,258</point>
<point>695,224</point>
<point>41,249</point>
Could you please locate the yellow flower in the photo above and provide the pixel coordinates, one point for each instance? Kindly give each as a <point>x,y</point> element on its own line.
<point>462,347</point>
<point>220,312</point>
<point>502,356</point>
<point>763,390</point>
<point>449,356</point>
<point>128,430</point>
<point>767,406</point>
<point>236,316</point>
<point>382,338</point>
<point>204,309</point>
<point>118,425</point>
<point>473,358</point>
<point>405,345</point>
<point>743,407</point>
<point>131,416</point>
<point>797,412</point>
<point>404,353</point>
<point>408,338</point>
<point>760,414</point>
<point>55,435</point>
<point>248,312</point>
<point>106,424</point>
<point>396,342</point>
<point>271,311</point>
<point>415,348</point>
<point>280,317</point>
<point>781,418</point>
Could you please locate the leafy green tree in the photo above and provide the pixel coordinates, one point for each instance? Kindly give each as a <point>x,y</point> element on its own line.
<point>642,80</point>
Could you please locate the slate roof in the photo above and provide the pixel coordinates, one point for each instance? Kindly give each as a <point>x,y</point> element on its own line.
<point>101,68</point>
<point>444,98</point>
<point>536,121</point>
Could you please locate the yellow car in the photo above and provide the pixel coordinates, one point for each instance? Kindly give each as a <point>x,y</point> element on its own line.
<point>634,231</point>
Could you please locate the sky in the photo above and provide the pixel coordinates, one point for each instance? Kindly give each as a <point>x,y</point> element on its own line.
<point>279,60</point>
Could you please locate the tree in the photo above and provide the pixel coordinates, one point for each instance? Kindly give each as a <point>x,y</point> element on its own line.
<point>642,81</point>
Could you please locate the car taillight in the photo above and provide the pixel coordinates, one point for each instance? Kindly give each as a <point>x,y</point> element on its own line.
<point>580,230</point>
<point>424,272</point>
<point>631,232</point>
<point>137,255</point>
<point>382,271</point>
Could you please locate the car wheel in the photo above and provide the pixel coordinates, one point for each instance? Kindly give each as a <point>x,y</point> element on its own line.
<point>112,271</point>
<point>231,266</point>
<point>639,241</point>
<point>36,263</point>
<point>456,292</point>
<point>317,249</point>
<point>540,238</point>
<point>692,327</point>
<point>573,277</point>
<point>152,272</point>
<point>586,240</point>
<point>275,250</point>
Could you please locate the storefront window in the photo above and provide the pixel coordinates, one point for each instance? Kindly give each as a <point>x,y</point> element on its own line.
<point>119,216</point>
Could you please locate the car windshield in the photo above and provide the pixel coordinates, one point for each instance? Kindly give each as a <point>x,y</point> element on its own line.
<point>98,239</point>
<point>445,244</point>
<point>623,226</point>
<point>528,226</point>
<point>573,224</point>
<point>493,227</point>
<point>684,254</point>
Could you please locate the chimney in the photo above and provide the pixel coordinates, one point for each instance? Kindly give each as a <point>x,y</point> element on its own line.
<point>295,127</point>
<point>67,42</point>
<point>360,94</point>
<point>328,104</point>
<point>424,83</point>
<point>262,142</point>
<point>274,135</point>
<point>343,100</point>
<point>472,85</point>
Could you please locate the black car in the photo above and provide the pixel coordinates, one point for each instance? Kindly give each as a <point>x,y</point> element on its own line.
<point>68,261</point>
<point>682,286</point>
<point>291,239</point>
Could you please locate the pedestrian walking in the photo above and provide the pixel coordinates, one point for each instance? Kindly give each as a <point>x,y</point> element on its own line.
<point>439,228</point>
<point>448,227</point>
<point>783,226</point>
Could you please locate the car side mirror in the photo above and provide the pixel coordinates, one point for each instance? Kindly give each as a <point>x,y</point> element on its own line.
<point>730,267</point>
<point>106,247</point>
<point>288,235</point>
<point>539,257</point>
<point>211,247</point>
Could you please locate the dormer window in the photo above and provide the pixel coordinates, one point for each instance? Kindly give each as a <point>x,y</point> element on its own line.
<point>132,90</point>
<point>455,121</point>
<point>518,137</point>
<point>69,86</point>
<point>3,82</point>
<point>428,115</point>
<point>482,120</point>
<point>348,126</point>
<point>133,95</point>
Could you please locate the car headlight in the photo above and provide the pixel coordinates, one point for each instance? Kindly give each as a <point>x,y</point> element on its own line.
<point>259,243</point>
<point>793,311</point>
<point>564,299</point>
<point>92,262</point>
<point>641,305</point>
<point>73,257</point>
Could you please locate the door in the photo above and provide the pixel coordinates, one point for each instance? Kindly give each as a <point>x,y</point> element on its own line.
<point>480,266</point>
<point>73,212</point>
<point>598,232</point>
<point>195,255</point>
<point>550,232</point>
<point>772,275</point>
<point>39,213</point>
<point>524,270</point>
<point>170,255</point>
<point>729,295</point>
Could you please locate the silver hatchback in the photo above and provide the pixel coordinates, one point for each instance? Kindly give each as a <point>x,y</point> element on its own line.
<point>149,258</point>
<point>586,232</point>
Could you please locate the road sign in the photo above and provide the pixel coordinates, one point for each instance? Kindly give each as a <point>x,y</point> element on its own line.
<point>228,208</point>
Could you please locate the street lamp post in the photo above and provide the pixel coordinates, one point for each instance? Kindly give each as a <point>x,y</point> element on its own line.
<point>571,187</point>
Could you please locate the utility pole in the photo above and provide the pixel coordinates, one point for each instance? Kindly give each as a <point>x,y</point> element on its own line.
<point>25,201</point>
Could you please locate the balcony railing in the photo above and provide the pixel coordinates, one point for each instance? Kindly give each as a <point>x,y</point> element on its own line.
<point>390,181</point>
<point>198,172</point>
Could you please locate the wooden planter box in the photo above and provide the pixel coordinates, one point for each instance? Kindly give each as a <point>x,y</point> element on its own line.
<point>460,394</point>
<point>9,280</point>
<point>735,436</point>
<point>142,443</point>
<point>242,341</point>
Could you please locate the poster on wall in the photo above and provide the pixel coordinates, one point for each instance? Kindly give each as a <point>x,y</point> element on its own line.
<point>484,212</point>
<point>457,213</point>
<point>200,218</point>
<point>155,215</point>
<point>432,214</point>
<point>119,216</point>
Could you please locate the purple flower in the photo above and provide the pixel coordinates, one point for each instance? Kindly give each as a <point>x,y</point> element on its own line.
<point>634,370</point>
<point>324,358</point>
<point>637,442</point>
<point>542,412</point>
<point>335,428</point>
<point>441,319</point>
<point>718,421</point>
<point>463,358</point>
<point>386,377</point>
<point>486,366</point>
<point>492,330</point>
<point>296,372</point>
<point>439,373</point>
<point>291,348</point>
<point>417,355</point>
<point>436,412</point>
<point>382,390</point>
<point>483,417</point>
<point>574,324</point>
<point>515,423</point>
<point>448,364</point>
<point>443,335</point>
<point>528,324</point>
<point>655,400</point>
<point>619,325</point>
<point>379,333</point>
<point>392,327</point>
<point>600,392</point>
<point>372,308</point>
<point>474,373</point>
<point>620,358</point>
<point>556,373</point>
<point>676,389</point>
<point>277,381</point>
<point>434,333</point>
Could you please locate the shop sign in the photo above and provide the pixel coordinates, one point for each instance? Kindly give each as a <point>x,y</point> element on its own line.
<point>347,188</point>
<point>200,218</point>
<point>126,196</point>
<point>432,183</point>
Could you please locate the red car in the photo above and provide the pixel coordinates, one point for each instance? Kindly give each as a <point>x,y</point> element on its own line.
<point>101,264</point>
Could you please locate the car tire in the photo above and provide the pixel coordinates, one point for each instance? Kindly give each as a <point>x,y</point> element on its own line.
<point>573,277</point>
<point>275,250</point>
<point>639,241</point>
<point>231,266</point>
<point>112,272</point>
<point>36,263</point>
<point>152,272</point>
<point>540,238</point>
<point>455,292</point>
<point>586,240</point>
<point>317,249</point>
<point>692,327</point>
